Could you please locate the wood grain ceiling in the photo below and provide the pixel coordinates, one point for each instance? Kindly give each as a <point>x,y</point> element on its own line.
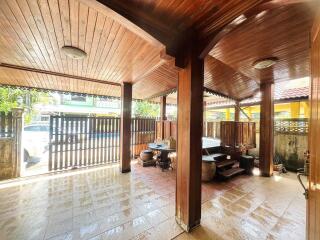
<point>33,32</point>
<point>157,82</point>
<point>282,33</point>
<point>57,83</point>
<point>223,79</point>
<point>173,19</point>
<point>218,77</point>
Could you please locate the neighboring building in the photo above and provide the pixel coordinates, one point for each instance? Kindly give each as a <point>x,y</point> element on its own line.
<point>291,101</point>
<point>74,105</point>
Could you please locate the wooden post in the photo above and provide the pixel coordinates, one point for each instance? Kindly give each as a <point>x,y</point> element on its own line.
<point>163,103</point>
<point>189,147</point>
<point>125,130</point>
<point>204,132</point>
<point>227,114</point>
<point>266,130</point>
<point>237,112</point>
<point>313,155</point>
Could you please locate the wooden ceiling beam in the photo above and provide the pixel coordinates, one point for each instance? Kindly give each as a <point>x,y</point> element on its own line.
<point>214,38</point>
<point>139,21</point>
<point>151,29</point>
<point>57,74</point>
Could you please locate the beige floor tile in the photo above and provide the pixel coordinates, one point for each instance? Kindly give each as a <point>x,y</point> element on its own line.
<point>168,229</point>
<point>156,217</point>
<point>104,204</point>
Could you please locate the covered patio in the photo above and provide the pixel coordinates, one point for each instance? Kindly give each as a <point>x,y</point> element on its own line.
<point>146,50</point>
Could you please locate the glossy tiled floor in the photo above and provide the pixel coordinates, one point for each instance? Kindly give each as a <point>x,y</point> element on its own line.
<point>104,204</point>
<point>254,208</point>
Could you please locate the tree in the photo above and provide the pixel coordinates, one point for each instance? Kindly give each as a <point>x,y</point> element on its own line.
<point>146,109</point>
<point>11,98</point>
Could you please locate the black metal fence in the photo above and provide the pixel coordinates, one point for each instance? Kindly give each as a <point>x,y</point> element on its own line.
<point>6,124</point>
<point>88,141</point>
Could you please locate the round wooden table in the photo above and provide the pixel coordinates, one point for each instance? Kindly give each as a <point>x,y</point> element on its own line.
<point>164,162</point>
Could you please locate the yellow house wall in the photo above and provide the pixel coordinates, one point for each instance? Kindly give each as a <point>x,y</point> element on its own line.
<point>296,109</point>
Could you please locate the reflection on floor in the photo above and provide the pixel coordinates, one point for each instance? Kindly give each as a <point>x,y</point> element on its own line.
<point>36,166</point>
<point>104,204</point>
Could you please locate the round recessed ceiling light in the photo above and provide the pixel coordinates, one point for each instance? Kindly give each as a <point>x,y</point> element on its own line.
<point>264,63</point>
<point>73,52</point>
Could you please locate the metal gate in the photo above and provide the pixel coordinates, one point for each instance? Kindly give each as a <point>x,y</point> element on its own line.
<point>87,141</point>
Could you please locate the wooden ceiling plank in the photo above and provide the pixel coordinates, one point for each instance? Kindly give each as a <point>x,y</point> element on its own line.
<point>83,21</point>
<point>120,34</point>
<point>15,54</point>
<point>106,49</point>
<point>29,28</point>
<point>145,21</point>
<point>51,31</point>
<point>221,78</point>
<point>91,23</point>
<point>11,25</point>
<point>102,44</point>
<point>99,26</point>
<point>57,74</point>
<point>33,16</point>
<point>54,12</point>
<point>210,31</point>
<point>74,31</point>
<point>156,61</point>
<point>7,78</point>
<point>64,13</point>
<point>119,68</point>
<point>126,47</point>
<point>30,79</point>
<point>151,60</point>
<point>228,13</point>
<point>288,27</point>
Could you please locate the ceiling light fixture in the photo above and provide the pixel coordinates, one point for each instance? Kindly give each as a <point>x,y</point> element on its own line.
<point>264,63</point>
<point>239,19</point>
<point>73,52</point>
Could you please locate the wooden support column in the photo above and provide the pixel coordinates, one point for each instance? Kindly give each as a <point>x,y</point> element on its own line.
<point>266,130</point>
<point>125,128</point>
<point>163,117</point>
<point>204,132</point>
<point>189,146</point>
<point>237,112</point>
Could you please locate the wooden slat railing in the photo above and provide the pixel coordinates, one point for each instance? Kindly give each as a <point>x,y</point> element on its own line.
<point>88,141</point>
<point>211,129</point>
<point>238,133</point>
<point>143,131</point>
<point>83,141</point>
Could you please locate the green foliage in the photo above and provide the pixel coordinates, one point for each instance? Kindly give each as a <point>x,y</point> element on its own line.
<point>10,98</point>
<point>146,109</point>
